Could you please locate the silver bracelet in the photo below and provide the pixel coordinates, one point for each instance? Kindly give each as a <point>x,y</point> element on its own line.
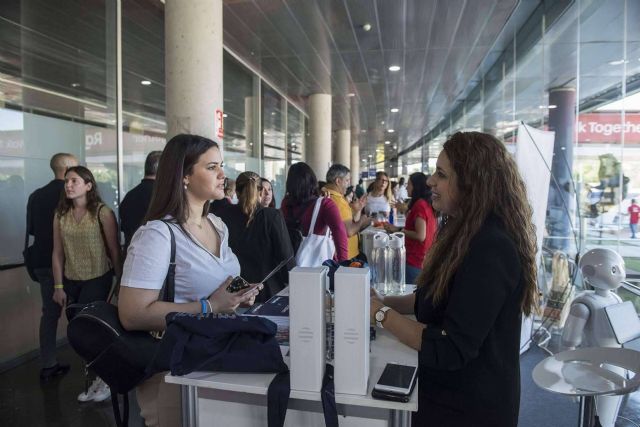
<point>210,306</point>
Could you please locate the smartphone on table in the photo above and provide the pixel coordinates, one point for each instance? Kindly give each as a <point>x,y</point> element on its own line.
<point>396,382</point>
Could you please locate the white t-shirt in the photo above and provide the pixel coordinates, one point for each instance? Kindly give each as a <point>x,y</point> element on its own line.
<point>377,204</point>
<point>198,271</point>
<point>401,193</point>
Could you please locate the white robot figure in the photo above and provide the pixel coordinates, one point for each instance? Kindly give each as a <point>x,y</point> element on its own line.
<point>588,325</point>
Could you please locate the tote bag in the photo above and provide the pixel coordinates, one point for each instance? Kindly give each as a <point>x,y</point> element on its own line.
<point>315,249</point>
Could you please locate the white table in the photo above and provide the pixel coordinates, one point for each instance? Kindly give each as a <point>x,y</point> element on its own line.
<point>240,399</point>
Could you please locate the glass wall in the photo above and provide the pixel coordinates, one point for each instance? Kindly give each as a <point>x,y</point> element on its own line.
<point>58,94</point>
<point>274,140</point>
<point>143,91</point>
<point>582,62</point>
<point>241,101</point>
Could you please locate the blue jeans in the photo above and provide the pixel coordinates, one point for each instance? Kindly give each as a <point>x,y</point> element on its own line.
<point>411,273</point>
<point>634,230</point>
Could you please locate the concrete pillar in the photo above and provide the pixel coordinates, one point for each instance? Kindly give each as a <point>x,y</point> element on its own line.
<point>318,145</point>
<point>193,66</point>
<point>355,162</point>
<point>561,200</point>
<point>342,148</point>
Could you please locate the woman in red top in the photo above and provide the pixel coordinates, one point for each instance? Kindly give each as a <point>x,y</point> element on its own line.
<point>297,208</point>
<point>420,225</point>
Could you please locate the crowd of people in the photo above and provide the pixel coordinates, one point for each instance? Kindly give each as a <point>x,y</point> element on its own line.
<point>468,237</point>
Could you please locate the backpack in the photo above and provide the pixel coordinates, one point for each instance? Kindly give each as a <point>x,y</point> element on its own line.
<point>118,356</point>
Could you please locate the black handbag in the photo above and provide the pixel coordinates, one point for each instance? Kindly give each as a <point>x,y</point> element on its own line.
<point>118,356</point>
<point>218,342</point>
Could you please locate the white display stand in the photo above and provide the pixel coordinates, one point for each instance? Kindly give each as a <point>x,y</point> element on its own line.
<point>240,400</point>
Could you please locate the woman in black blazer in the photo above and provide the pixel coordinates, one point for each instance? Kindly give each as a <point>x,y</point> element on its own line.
<point>257,236</point>
<point>477,280</point>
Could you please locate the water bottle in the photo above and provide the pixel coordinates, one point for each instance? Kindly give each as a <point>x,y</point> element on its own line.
<point>379,260</point>
<point>397,264</point>
<point>391,216</point>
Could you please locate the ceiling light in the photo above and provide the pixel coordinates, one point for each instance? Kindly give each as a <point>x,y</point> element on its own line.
<point>145,83</point>
<point>363,131</point>
<point>387,142</point>
<point>75,84</point>
<point>618,62</point>
<point>552,106</point>
<point>395,147</point>
<point>382,122</point>
<point>351,94</point>
<point>394,68</point>
<point>394,110</point>
<point>390,130</point>
<point>366,26</point>
<point>549,107</point>
<point>370,155</point>
<point>224,115</point>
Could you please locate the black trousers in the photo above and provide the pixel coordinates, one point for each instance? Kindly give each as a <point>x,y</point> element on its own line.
<point>86,291</point>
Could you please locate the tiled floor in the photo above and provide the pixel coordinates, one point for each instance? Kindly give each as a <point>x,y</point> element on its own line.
<point>26,402</point>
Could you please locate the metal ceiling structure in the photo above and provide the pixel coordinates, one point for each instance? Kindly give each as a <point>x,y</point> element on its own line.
<point>341,47</point>
<point>346,48</point>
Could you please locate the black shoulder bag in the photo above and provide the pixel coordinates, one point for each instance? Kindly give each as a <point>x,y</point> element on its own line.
<point>118,356</point>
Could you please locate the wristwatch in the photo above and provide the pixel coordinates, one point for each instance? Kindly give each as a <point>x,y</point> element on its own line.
<point>381,315</point>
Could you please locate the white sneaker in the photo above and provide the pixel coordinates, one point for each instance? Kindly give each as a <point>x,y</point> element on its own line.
<point>103,392</point>
<point>86,396</point>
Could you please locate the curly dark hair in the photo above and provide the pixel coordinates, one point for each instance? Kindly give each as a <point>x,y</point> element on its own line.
<point>488,182</point>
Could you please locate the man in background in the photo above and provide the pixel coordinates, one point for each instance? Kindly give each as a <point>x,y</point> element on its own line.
<point>135,204</point>
<point>338,180</point>
<point>40,211</point>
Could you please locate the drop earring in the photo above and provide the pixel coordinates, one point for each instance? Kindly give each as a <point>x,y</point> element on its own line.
<point>185,187</point>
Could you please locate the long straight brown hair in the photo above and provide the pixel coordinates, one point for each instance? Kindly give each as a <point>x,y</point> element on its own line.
<point>177,160</point>
<point>488,182</point>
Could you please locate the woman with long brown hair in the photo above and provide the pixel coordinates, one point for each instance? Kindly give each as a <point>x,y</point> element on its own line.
<point>258,236</point>
<point>477,280</point>
<point>85,243</point>
<point>190,174</point>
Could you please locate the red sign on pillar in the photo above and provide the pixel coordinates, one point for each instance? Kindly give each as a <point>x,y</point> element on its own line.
<point>219,124</point>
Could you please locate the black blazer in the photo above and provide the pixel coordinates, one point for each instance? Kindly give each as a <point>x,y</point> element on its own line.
<point>259,247</point>
<point>41,208</point>
<point>134,207</point>
<point>469,363</point>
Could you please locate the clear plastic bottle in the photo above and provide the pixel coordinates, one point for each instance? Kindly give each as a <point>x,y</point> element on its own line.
<point>397,264</point>
<point>379,261</point>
